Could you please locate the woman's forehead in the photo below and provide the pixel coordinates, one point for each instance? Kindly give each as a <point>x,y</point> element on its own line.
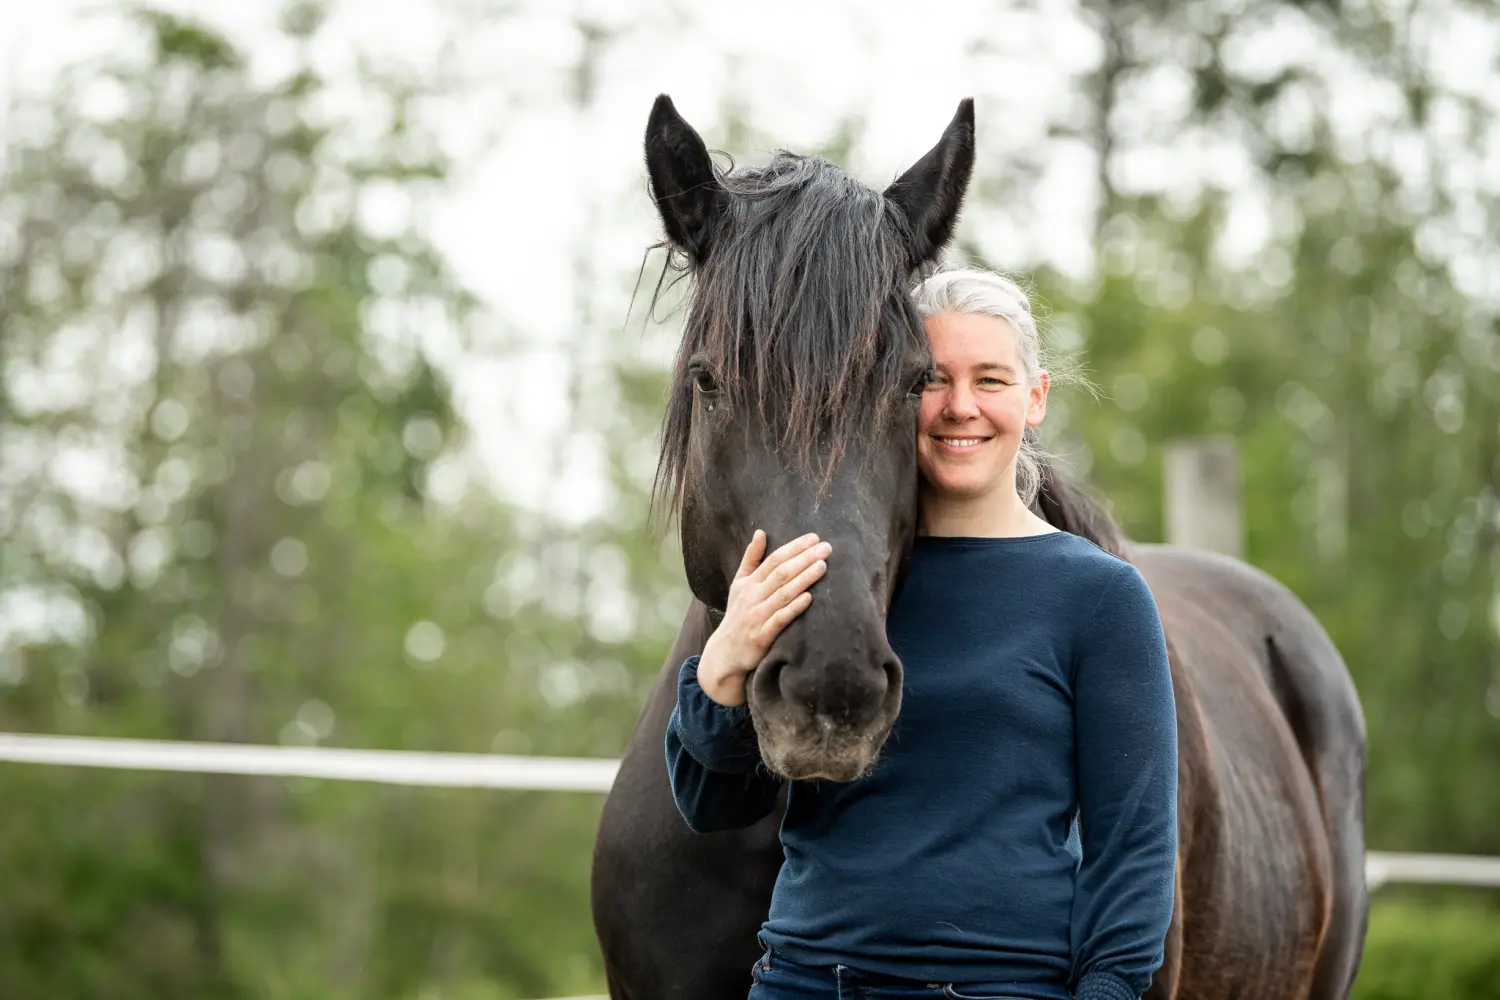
<point>973,341</point>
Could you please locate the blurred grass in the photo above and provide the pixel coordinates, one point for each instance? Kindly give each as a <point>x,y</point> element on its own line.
<point>1427,950</point>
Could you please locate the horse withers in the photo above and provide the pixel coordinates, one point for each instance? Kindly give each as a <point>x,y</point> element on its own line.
<point>792,409</point>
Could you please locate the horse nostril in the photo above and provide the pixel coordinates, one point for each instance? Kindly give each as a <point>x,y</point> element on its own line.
<point>769,674</point>
<point>891,669</point>
<point>798,688</point>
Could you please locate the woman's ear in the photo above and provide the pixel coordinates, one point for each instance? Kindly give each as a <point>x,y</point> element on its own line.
<point>686,190</point>
<point>930,194</point>
<point>1036,399</point>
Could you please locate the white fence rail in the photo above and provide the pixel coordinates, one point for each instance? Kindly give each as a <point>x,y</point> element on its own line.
<point>1431,869</point>
<point>391,767</point>
<point>557,774</point>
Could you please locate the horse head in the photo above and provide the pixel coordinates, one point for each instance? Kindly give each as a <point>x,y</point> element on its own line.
<point>793,407</point>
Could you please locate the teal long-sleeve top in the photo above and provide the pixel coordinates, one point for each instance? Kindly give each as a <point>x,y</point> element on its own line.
<point>1020,827</point>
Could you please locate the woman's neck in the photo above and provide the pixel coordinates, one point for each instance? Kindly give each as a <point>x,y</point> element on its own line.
<point>1000,514</point>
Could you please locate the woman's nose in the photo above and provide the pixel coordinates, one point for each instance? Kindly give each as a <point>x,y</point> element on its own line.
<point>960,404</point>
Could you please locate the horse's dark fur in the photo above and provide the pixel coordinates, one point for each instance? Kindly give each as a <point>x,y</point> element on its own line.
<point>787,413</point>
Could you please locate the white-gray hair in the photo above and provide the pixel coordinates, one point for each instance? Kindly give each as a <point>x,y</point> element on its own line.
<point>973,291</point>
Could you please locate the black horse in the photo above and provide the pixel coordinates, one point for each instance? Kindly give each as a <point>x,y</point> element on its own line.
<point>792,410</point>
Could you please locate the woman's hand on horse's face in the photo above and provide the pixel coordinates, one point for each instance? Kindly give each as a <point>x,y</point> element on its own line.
<point>764,597</point>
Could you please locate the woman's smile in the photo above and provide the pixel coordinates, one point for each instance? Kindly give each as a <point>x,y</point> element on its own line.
<point>958,445</point>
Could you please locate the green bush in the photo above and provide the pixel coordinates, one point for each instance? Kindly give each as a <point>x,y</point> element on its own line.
<point>1430,952</point>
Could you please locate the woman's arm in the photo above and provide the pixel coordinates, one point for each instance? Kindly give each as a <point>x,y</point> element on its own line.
<point>1126,725</point>
<point>713,760</point>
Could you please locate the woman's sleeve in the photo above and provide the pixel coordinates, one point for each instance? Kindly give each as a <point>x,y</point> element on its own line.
<point>1126,725</point>
<point>713,760</point>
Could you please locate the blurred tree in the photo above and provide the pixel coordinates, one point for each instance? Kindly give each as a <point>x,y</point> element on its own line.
<point>1314,291</point>
<point>236,506</point>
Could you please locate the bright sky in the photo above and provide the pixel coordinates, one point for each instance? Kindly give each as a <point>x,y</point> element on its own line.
<point>549,216</point>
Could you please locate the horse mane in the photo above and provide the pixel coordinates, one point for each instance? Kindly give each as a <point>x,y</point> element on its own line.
<point>795,312</point>
<point>1066,506</point>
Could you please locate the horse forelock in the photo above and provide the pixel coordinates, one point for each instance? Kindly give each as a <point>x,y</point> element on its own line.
<point>797,314</point>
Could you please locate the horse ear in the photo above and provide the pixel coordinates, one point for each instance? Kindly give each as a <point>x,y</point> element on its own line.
<point>683,184</point>
<point>931,192</point>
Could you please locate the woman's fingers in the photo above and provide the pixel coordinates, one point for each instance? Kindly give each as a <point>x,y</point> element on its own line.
<point>781,556</point>
<point>782,618</point>
<point>794,587</point>
<point>753,552</point>
<point>796,566</point>
<point>791,567</point>
<point>771,590</point>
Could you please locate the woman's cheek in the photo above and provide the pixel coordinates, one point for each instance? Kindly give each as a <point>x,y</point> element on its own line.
<point>1007,415</point>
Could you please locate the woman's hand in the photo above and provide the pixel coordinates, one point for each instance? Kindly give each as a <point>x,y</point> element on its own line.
<point>763,598</point>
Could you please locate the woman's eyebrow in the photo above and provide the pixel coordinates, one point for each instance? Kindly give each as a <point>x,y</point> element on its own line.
<point>983,366</point>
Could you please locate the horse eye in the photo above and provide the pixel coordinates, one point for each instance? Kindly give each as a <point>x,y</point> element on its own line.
<point>920,385</point>
<point>704,381</point>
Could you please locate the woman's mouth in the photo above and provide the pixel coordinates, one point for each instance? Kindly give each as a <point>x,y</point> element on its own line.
<point>958,445</point>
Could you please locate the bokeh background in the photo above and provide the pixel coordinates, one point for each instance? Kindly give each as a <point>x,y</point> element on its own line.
<point>329,406</point>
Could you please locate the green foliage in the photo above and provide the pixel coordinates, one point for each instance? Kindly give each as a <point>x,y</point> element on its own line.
<point>267,559</point>
<point>1416,951</point>
<point>1362,386</point>
<point>177,39</point>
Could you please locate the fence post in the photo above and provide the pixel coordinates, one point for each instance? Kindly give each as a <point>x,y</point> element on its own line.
<point>1202,502</point>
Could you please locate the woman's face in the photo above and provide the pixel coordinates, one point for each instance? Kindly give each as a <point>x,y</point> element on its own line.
<point>977,406</point>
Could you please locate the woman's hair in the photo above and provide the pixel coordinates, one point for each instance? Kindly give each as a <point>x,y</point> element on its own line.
<point>974,291</point>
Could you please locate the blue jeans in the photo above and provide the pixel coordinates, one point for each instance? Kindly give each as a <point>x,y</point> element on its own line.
<point>776,978</point>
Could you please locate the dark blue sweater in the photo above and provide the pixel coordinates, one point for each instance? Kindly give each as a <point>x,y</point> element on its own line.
<point>1036,694</point>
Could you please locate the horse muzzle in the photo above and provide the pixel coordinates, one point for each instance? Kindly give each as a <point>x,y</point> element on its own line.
<point>826,721</point>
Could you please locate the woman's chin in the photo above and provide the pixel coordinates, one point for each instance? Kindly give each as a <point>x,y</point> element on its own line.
<point>962,485</point>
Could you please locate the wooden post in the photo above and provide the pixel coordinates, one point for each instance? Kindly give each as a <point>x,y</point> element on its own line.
<point>1202,502</point>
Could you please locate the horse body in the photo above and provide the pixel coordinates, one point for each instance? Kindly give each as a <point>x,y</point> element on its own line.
<point>1271,899</point>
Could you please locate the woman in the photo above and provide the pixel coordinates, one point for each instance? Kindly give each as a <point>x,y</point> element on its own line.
<point>1018,836</point>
